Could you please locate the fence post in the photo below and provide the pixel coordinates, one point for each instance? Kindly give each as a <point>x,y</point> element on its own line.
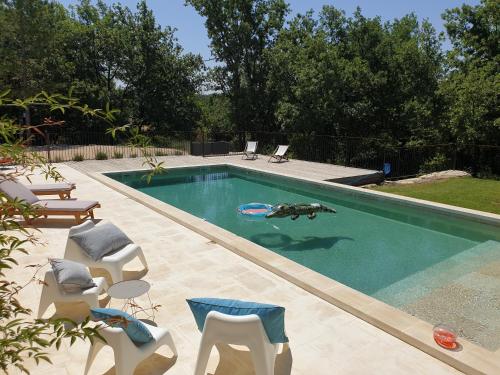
<point>454,157</point>
<point>474,159</point>
<point>47,141</point>
<point>203,140</point>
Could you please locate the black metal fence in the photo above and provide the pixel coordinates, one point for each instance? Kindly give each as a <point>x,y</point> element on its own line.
<point>368,153</point>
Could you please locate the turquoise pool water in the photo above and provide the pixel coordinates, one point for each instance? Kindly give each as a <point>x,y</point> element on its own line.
<point>408,257</point>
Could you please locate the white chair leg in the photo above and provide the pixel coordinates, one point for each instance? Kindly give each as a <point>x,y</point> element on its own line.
<point>45,301</point>
<point>124,366</point>
<point>203,356</point>
<point>116,273</point>
<point>169,341</point>
<point>263,359</point>
<point>142,258</point>
<point>94,349</point>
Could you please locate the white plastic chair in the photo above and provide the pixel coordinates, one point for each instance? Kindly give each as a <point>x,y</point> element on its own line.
<point>244,330</point>
<point>53,292</point>
<point>279,153</point>
<point>113,263</point>
<point>127,354</point>
<point>250,150</point>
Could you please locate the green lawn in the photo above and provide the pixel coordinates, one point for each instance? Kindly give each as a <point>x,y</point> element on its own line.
<point>468,192</point>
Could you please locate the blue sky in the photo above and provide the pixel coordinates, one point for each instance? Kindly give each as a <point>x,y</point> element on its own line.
<point>193,37</point>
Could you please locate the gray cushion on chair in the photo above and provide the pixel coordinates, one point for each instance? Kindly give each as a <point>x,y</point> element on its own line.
<point>14,189</point>
<point>101,240</point>
<point>71,275</point>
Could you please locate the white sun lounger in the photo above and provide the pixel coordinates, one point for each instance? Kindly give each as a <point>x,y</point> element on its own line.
<point>279,153</point>
<point>251,150</point>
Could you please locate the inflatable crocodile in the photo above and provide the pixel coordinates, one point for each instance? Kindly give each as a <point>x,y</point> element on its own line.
<point>295,210</point>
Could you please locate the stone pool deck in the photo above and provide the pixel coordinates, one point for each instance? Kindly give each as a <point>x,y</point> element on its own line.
<point>324,339</point>
<point>297,168</point>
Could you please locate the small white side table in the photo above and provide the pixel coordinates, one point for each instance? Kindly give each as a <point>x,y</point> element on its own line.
<point>128,290</point>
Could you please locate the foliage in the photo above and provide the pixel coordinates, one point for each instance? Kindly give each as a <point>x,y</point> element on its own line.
<point>324,73</point>
<point>160,141</point>
<point>240,32</point>
<point>31,28</point>
<point>101,155</point>
<point>78,157</point>
<point>117,155</point>
<point>215,113</point>
<point>20,337</point>
<point>473,83</point>
<point>357,76</point>
<point>438,162</point>
<point>108,54</point>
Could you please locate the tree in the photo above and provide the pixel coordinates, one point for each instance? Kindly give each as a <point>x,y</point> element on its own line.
<point>107,54</point>
<point>357,76</point>
<point>215,114</point>
<point>31,46</point>
<point>473,82</point>
<point>160,83</point>
<point>240,32</point>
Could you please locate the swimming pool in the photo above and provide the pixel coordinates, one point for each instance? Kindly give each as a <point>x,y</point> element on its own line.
<point>440,268</point>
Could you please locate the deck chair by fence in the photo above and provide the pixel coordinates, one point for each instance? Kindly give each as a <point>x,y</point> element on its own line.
<point>62,189</point>
<point>64,207</point>
<point>279,153</point>
<point>251,150</point>
<point>113,262</point>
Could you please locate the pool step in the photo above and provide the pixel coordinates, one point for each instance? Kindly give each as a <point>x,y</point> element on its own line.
<point>463,291</point>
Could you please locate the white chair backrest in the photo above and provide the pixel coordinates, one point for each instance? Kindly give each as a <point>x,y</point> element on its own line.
<point>86,225</point>
<point>235,330</point>
<point>251,146</point>
<point>282,149</point>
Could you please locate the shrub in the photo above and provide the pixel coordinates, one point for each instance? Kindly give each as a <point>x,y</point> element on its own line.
<point>101,156</point>
<point>178,152</point>
<point>117,155</point>
<point>438,162</point>
<point>134,155</point>
<point>160,153</point>
<point>58,159</point>
<point>160,141</point>
<point>78,157</point>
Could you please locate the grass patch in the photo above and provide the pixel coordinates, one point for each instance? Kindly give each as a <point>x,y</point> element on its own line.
<point>468,192</point>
